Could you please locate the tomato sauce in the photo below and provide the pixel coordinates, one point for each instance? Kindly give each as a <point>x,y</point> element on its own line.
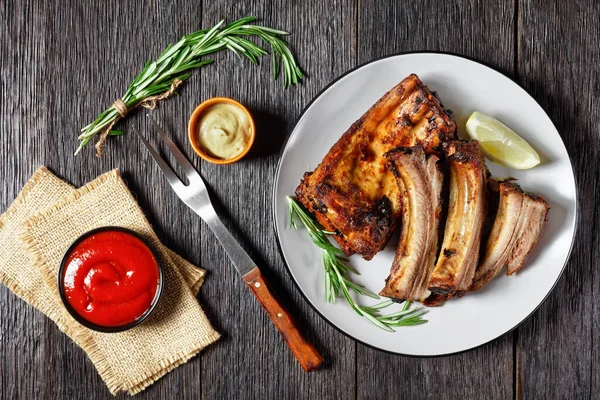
<point>110,278</point>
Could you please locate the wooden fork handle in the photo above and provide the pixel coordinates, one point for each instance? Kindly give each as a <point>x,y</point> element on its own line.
<point>308,357</point>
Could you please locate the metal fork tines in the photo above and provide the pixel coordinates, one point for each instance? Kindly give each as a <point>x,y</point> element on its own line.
<point>195,196</point>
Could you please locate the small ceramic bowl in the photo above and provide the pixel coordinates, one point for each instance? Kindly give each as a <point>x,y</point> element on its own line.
<point>195,119</point>
<point>101,328</point>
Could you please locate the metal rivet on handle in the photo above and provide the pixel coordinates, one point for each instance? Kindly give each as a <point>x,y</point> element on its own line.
<point>279,315</point>
<point>257,284</point>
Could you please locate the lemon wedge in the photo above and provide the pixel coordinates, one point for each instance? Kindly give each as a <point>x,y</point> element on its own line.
<point>501,144</point>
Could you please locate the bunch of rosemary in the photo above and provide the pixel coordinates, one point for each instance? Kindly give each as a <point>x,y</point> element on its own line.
<point>337,280</point>
<point>160,78</point>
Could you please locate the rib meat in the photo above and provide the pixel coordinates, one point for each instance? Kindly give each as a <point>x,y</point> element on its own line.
<point>455,267</point>
<point>421,180</point>
<point>502,236</point>
<point>519,222</point>
<point>352,192</point>
<point>535,217</point>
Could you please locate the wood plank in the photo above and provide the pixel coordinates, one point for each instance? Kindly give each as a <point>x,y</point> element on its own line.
<point>97,49</point>
<point>23,347</point>
<point>558,59</point>
<point>252,361</point>
<point>484,31</point>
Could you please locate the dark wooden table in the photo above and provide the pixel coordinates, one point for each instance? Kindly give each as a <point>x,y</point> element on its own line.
<point>62,62</point>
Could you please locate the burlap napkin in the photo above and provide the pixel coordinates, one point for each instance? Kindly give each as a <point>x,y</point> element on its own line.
<point>176,331</point>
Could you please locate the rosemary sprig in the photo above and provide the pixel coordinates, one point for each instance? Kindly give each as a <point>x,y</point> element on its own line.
<point>160,78</point>
<point>337,281</point>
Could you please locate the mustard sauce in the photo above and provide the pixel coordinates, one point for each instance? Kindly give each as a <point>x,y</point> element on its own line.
<point>224,130</point>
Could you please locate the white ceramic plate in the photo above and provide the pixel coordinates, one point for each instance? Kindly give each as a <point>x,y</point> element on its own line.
<point>464,86</point>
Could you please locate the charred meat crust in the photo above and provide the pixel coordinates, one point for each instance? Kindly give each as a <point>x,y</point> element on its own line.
<point>352,192</point>
<point>465,152</point>
<point>422,180</point>
<point>373,221</point>
<point>459,253</point>
<point>438,299</point>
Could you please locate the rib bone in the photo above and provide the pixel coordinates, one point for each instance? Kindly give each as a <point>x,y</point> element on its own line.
<point>459,254</point>
<point>421,181</point>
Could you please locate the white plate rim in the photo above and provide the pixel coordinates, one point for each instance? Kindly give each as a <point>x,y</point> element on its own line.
<point>576,213</point>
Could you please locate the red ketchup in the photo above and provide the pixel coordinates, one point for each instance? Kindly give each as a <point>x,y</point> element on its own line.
<point>110,278</point>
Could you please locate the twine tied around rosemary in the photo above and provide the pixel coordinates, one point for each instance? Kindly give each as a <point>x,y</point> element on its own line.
<point>119,105</point>
<point>158,79</point>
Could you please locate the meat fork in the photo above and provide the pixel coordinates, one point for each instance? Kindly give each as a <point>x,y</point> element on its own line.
<point>195,196</point>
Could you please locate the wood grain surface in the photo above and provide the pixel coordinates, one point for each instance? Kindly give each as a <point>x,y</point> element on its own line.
<point>558,63</point>
<point>62,62</point>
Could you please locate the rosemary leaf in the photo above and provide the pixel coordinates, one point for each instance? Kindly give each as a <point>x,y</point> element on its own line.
<point>161,77</point>
<point>337,268</point>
